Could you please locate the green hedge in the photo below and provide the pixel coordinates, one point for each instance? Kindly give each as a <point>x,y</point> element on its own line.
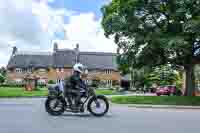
<point>154,100</point>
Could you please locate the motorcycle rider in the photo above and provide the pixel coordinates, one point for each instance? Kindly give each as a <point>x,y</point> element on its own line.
<point>76,84</point>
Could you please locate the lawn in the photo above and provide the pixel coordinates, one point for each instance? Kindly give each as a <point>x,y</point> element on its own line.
<point>154,100</point>
<point>19,92</point>
<point>106,92</point>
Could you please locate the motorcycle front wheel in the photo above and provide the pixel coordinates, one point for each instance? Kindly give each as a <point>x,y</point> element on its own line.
<point>54,106</point>
<point>98,106</point>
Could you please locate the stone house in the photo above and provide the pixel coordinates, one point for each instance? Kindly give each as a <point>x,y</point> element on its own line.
<point>57,65</point>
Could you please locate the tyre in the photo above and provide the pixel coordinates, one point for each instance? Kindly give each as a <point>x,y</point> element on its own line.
<point>178,93</point>
<point>55,106</point>
<point>98,106</point>
<point>158,94</point>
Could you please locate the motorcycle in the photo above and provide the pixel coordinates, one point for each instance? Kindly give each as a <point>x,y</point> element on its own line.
<point>59,101</point>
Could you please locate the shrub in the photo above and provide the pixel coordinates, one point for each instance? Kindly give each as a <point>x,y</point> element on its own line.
<point>95,83</point>
<point>2,78</point>
<point>41,85</point>
<point>51,82</point>
<point>115,83</point>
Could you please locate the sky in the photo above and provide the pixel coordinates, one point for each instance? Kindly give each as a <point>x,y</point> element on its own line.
<point>34,25</point>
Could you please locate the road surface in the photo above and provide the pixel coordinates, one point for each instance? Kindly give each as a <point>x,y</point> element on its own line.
<point>28,116</point>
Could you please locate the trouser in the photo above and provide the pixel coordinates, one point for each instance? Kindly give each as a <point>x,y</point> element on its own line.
<point>76,96</point>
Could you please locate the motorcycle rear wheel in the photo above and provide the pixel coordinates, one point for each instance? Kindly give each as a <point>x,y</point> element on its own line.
<point>51,110</point>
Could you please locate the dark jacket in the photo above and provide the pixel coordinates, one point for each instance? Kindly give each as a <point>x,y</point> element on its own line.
<point>75,82</point>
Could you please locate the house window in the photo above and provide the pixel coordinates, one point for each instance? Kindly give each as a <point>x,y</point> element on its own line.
<point>18,70</point>
<point>60,70</point>
<point>41,81</point>
<point>108,71</point>
<point>88,82</point>
<point>42,70</point>
<point>109,82</point>
<point>59,80</point>
<point>198,86</point>
<point>18,81</point>
<point>27,70</point>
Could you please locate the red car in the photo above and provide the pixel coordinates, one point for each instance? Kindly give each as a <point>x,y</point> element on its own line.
<point>168,90</point>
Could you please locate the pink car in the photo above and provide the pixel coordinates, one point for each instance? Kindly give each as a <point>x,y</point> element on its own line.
<point>168,90</point>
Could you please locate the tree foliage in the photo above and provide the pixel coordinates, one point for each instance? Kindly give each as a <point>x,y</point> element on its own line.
<point>3,71</point>
<point>163,75</point>
<point>2,78</point>
<point>156,32</point>
<point>2,74</point>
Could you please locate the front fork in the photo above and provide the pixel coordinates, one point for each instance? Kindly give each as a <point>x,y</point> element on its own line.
<point>97,102</point>
<point>92,92</point>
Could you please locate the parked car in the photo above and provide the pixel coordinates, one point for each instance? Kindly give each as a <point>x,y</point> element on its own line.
<point>168,90</point>
<point>152,89</point>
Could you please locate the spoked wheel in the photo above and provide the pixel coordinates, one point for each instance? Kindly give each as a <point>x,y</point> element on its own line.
<point>98,106</point>
<point>54,106</point>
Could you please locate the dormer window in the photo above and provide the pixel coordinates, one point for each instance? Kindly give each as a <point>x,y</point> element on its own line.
<point>18,70</point>
<point>41,70</point>
<point>108,71</point>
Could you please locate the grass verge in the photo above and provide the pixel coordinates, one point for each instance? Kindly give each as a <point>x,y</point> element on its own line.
<point>19,92</point>
<point>154,100</point>
<point>106,92</point>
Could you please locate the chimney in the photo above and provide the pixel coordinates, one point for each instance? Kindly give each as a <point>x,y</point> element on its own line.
<point>77,47</point>
<point>77,53</point>
<point>14,51</point>
<point>55,46</point>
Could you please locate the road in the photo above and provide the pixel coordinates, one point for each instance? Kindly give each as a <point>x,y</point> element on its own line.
<point>28,116</point>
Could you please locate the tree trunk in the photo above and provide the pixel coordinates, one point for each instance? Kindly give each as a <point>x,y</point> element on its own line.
<point>190,81</point>
<point>132,80</point>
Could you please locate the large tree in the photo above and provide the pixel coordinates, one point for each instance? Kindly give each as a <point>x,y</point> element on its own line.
<point>162,31</point>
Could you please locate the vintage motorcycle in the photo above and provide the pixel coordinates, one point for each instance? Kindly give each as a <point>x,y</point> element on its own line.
<point>59,101</point>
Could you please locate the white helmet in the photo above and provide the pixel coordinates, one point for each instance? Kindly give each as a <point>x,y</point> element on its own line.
<point>78,67</point>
